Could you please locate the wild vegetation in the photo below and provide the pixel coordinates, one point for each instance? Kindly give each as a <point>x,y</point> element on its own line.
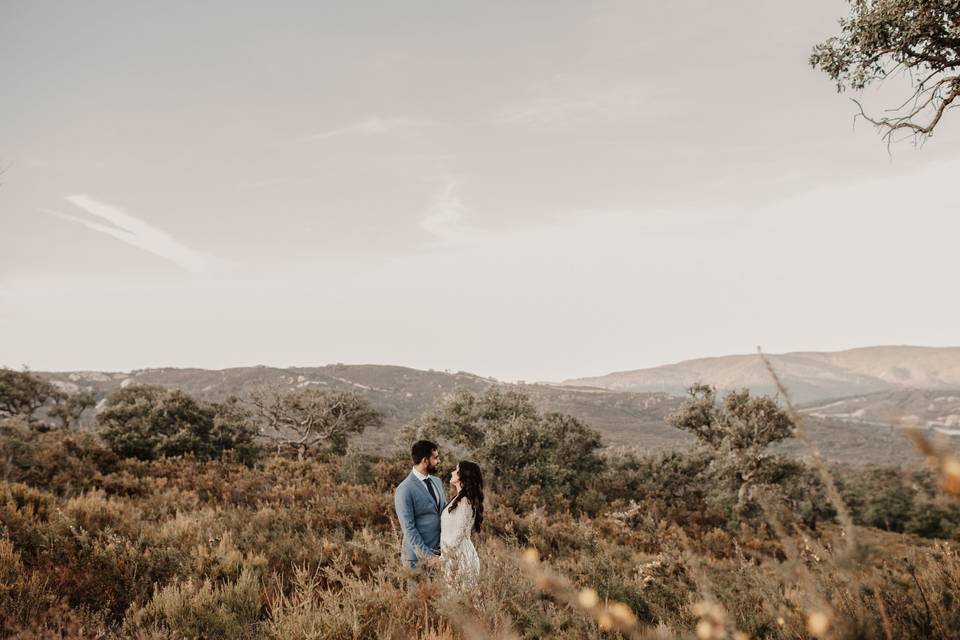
<point>920,39</point>
<point>200,532</point>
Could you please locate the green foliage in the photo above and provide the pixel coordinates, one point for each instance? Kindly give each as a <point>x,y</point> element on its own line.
<point>311,417</point>
<point>671,486</point>
<point>882,36</point>
<point>734,467</point>
<point>147,422</point>
<point>65,463</point>
<point>901,501</point>
<point>521,450</point>
<point>466,417</point>
<point>740,422</point>
<point>22,393</point>
<point>68,408</point>
<point>234,431</point>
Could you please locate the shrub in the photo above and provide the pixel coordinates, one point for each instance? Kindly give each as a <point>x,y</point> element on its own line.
<point>65,463</point>
<point>898,500</point>
<point>520,449</point>
<point>147,422</point>
<point>22,393</point>
<point>356,467</point>
<point>202,609</point>
<point>734,434</point>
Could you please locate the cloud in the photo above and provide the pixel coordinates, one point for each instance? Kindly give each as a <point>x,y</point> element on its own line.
<point>444,218</point>
<point>372,126</point>
<point>119,224</point>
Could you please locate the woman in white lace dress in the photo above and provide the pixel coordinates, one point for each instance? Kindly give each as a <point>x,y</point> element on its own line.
<point>463,515</point>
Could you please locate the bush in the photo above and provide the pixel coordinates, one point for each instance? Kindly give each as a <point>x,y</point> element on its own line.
<point>147,422</point>
<point>22,393</point>
<point>356,467</point>
<point>189,548</point>
<point>65,463</point>
<point>521,449</point>
<point>897,500</point>
<point>192,609</point>
<point>734,434</point>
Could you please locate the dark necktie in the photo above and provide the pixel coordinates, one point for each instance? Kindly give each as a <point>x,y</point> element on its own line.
<point>433,494</point>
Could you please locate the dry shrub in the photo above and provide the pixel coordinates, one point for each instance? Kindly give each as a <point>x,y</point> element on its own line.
<point>387,474</point>
<point>62,462</point>
<point>220,559</point>
<point>24,514</point>
<point>205,609</point>
<point>332,604</point>
<point>94,511</point>
<point>181,548</point>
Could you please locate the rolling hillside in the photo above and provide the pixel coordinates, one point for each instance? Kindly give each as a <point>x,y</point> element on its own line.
<point>935,410</point>
<point>810,376</point>
<point>626,419</point>
<point>402,394</point>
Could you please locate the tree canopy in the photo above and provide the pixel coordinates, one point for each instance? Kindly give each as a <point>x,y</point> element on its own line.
<point>520,449</point>
<point>736,432</point>
<point>149,422</point>
<point>880,38</point>
<point>310,417</point>
<point>22,393</point>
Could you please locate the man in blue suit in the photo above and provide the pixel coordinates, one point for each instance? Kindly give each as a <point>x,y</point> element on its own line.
<point>419,500</point>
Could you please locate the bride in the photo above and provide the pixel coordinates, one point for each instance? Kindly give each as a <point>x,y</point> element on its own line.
<point>461,565</point>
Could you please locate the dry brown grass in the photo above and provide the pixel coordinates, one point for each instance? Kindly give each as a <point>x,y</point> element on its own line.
<point>178,548</point>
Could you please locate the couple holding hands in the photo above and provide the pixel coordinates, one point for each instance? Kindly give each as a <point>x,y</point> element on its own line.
<point>436,531</point>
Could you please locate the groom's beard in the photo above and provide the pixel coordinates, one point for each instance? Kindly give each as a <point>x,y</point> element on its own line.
<point>431,469</point>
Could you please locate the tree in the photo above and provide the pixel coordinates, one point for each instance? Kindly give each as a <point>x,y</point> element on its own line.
<point>520,448</point>
<point>148,422</point>
<point>736,433</point>
<point>740,423</point>
<point>22,393</point>
<point>881,37</point>
<point>69,407</point>
<point>465,418</point>
<point>308,417</point>
<point>234,429</point>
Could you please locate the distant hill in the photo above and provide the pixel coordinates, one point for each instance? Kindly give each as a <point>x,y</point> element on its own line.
<point>932,410</point>
<point>624,418</point>
<point>810,376</point>
<point>403,394</point>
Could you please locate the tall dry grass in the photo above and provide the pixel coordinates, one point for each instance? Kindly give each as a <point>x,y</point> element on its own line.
<point>92,546</point>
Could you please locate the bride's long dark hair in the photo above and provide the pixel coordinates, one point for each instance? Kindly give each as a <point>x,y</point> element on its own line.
<point>471,488</point>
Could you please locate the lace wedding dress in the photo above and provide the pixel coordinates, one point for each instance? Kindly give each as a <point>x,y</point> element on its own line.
<point>461,565</point>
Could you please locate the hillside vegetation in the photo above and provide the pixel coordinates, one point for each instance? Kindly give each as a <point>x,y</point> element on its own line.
<point>625,419</point>
<point>179,525</point>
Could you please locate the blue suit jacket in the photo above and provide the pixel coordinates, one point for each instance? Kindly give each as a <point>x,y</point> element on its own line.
<point>419,517</point>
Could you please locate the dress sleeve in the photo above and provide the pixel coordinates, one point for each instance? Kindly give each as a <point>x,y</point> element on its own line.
<point>462,523</point>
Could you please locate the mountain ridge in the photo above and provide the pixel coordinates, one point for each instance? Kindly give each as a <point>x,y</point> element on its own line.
<point>634,420</point>
<point>808,375</point>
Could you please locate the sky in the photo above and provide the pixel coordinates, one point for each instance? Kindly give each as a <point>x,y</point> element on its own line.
<point>531,191</point>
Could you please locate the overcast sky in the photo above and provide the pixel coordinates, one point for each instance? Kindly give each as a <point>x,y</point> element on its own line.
<point>527,190</point>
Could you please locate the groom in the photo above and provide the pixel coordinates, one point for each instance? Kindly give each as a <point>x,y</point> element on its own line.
<point>419,499</point>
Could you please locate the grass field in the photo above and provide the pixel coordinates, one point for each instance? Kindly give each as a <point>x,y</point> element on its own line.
<point>96,546</point>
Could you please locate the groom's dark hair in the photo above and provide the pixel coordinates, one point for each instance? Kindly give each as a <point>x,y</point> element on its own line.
<point>422,449</point>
